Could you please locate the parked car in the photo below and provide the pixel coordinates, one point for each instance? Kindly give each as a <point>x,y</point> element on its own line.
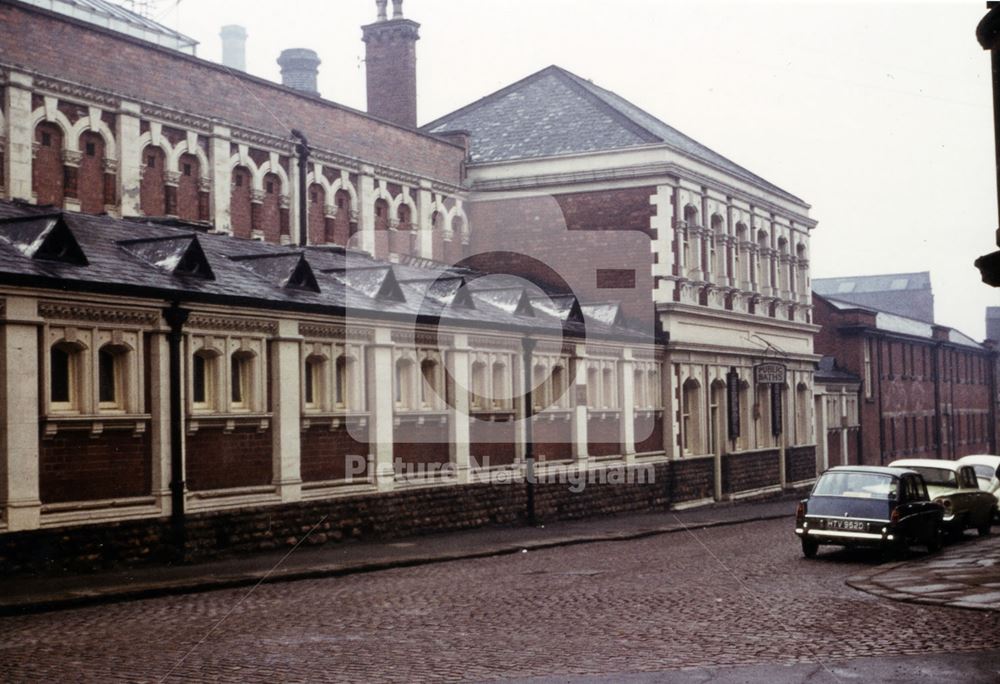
<point>868,506</point>
<point>954,485</point>
<point>987,467</point>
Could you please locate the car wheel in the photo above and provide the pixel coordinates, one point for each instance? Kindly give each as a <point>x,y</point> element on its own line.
<point>809,548</point>
<point>934,540</point>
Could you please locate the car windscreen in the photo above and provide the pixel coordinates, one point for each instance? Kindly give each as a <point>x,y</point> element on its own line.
<point>857,485</point>
<point>984,471</point>
<point>937,477</point>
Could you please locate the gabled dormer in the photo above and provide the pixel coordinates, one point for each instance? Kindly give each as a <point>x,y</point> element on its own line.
<point>180,255</point>
<point>378,282</point>
<point>289,270</point>
<point>564,307</point>
<point>46,237</point>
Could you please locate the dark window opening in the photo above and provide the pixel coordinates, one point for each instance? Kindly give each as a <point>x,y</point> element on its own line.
<point>46,139</point>
<point>151,161</point>
<point>59,369</point>
<point>237,380</point>
<point>340,203</point>
<point>313,196</point>
<point>270,188</point>
<point>107,387</point>
<point>91,151</point>
<point>187,169</point>
<point>198,380</point>
<point>239,180</point>
<point>310,390</point>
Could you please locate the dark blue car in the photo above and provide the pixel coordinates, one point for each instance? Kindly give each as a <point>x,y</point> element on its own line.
<point>868,506</point>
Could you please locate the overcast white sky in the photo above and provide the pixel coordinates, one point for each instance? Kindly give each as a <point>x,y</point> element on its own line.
<point>879,115</point>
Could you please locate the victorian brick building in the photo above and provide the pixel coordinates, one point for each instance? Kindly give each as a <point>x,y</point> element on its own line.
<point>256,311</point>
<point>925,391</point>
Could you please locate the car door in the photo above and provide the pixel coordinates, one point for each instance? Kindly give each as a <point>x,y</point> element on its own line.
<point>912,516</point>
<point>977,502</point>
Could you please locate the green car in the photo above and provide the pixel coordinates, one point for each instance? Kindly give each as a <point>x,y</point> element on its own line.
<point>955,487</point>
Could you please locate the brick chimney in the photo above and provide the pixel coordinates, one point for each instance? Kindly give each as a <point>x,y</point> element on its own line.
<point>234,47</point>
<point>391,65</point>
<point>299,68</point>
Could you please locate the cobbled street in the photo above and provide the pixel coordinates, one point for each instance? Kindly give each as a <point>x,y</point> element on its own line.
<point>725,596</point>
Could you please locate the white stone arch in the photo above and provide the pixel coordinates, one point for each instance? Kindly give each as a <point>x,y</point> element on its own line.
<point>402,198</point>
<point>87,123</point>
<point>59,119</point>
<point>457,211</point>
<point>270,167</point>
<point>315,175</point>
<point>381,192</point>
<point>146,140</point>
<point>346,185</point>
<point>182,148</point>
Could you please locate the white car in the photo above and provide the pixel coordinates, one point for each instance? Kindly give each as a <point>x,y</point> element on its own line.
<point>955,487</point>
<point>987,467</point>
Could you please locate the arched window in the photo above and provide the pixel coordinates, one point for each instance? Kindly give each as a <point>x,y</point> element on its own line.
<point>716,425</point>
<point>691,215</point>
<point>539,394</point>
<point>746,417</point>
<point>344,382</point>
<point>802,414</point>
<point>240,209</point>
<point>457,225</point>
<point>66,376</point>
<point>90,181</point>
<point>317,214</point>
<point>204,380</point>
<point>429,395</point>
<point>111,380</point>
<point>500,395</point>
<point>478,398</point>
<point>404,217</point>
<point>312,382</point>
<point>241,381</point>
<point>593,387</point>
<point>404,383</point>
<point>47,181</point>
<point>691,417</point>
<point>639,389</point>
<point>653,388</point>
<point>381,214</point>
<point>558,386</point>
<point>762,416</point>
<point>608,394</point>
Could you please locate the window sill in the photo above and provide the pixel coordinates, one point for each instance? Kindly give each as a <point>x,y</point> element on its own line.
<point>94,424</point>
<point>553,415</point>
<point>333,420</point>
<point>603,413</point>
<point>422,417</point>
<point>229,422</point>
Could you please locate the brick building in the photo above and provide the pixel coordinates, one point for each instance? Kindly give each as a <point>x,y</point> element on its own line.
<point>666,289</point>
<point>927,391</point>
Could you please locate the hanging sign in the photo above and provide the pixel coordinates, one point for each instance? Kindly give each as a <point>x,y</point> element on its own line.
<point>733,402</point>
<point>776,416</point>
<point>769,373</point>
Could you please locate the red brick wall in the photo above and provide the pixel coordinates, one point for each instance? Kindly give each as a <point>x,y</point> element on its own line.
<point>76,467</point>
<point>240,212</point>
<point>603,436</point>
<point>77,52</point>
<point>47,169</point>
<point>317,219</point>
<point>325,451</point>
<point>218,460</point>
<point>492,439</point>
<point>743,472</point>
<point>391,77</point>
<point>187,188</point>
<point>606,230</point>
<point>152,196</point>
<point>800,464</point>
<point>427,443</point>
<point>552,439</point>
<point>90,181</point>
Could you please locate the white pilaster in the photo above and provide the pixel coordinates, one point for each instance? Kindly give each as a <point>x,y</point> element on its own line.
<point>366,208</point>
<point>425,229</point>
<point>159,409</point>
<point>129,158</point>
<point>459,437</point>
<point>19,448</point>
<point>286,372</point>
<point>380,401</point>
<point>578,405</point>
<point>626,401</point>
<point>221,179</point>
<point>20,135</point>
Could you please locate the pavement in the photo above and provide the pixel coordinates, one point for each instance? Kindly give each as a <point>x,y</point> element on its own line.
<point>966,575</point>
<point>963,575</point>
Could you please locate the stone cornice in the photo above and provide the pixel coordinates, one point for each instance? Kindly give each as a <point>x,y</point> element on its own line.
<point>334,332</point>
<point>82,312</point>
<point>228,323</point>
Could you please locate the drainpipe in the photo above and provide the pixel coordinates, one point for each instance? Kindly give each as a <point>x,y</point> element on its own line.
<point>303,151</point>
<point>936,369</point>
<point>528,345</point>
<point>176,317</point>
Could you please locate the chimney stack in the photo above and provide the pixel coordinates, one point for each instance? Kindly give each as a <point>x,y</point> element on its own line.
<point>391,65</point>
<point>299,68</point>
<point>234,47</point>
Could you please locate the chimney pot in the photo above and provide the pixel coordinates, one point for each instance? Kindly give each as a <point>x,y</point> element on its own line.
<point>299,69</point>
<point>234,46</point>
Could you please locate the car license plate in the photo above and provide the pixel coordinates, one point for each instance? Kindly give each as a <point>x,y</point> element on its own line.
<point>852,525</point>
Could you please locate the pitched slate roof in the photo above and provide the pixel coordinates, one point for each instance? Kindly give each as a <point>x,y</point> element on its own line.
<point>118,18</point>
<point>888,282</point>
<point>554,112</point>
<point>43,248</point>
<point>891,322</point>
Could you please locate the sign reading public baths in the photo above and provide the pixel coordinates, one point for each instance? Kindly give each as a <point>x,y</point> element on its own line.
<point>769,373</point>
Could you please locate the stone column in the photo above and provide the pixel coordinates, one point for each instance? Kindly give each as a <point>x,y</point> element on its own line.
<point>578,404</point>
<point>19,450</point>
<point>459,430</point>
<point>626,402</point>
<point>219,156</point>
<point>380,402</point>
<point>256,203</point>
<point>822,444</point>
<point>129,158</point>
<point>286,371</point>
<point>159,409</point>
<point>366,208</point>
<point>20,135</point>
